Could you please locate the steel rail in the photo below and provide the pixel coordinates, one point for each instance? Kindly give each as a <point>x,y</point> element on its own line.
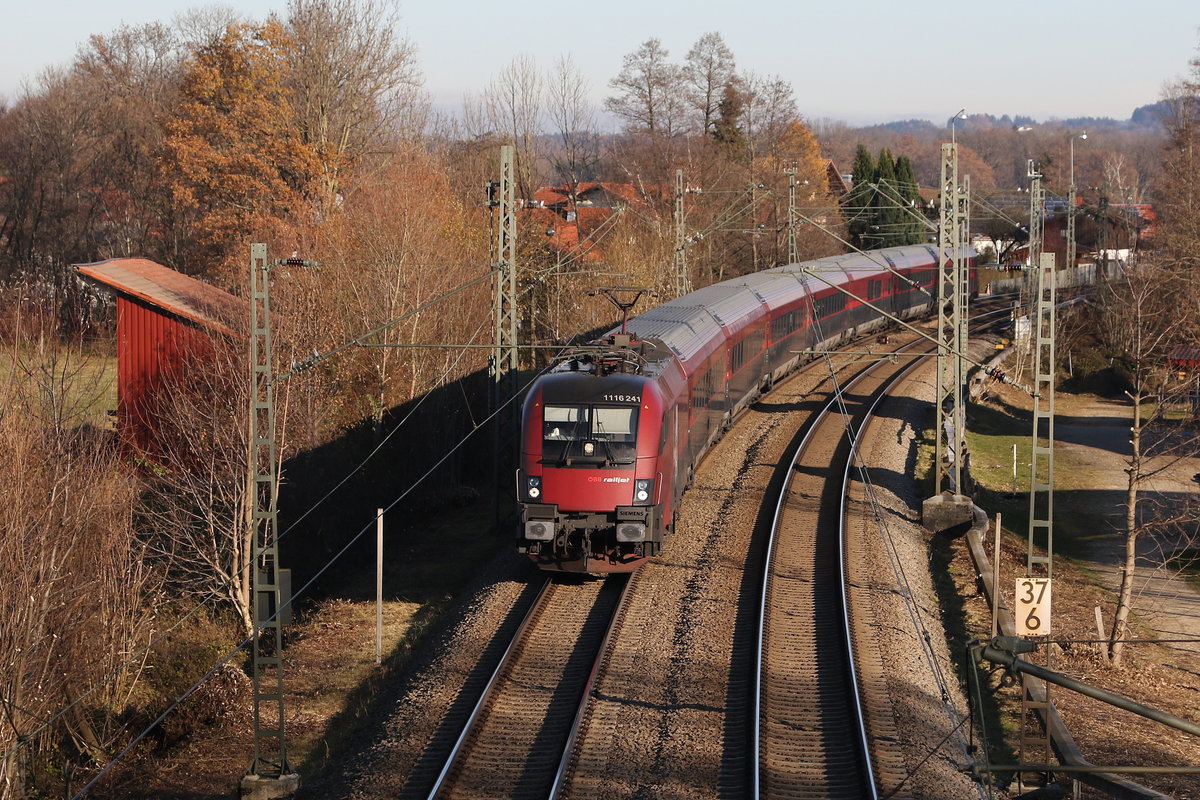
<point>813,426</point>
<point>880,393</point>
<point>585,702</point>
<point>534,611</point>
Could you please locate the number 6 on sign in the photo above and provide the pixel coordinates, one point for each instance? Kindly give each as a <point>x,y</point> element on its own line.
<point>1033,607</point>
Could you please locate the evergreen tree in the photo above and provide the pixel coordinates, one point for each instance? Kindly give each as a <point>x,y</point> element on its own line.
<point>858,210</point>
<point>727,128</point>
<point>906,181</point>
<point>889,216</point>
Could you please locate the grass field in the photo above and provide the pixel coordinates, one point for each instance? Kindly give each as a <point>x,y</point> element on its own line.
<point>60,384</point>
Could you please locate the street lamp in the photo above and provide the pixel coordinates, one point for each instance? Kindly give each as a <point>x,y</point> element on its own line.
<point>1071,203</point>
<point>962,114</point>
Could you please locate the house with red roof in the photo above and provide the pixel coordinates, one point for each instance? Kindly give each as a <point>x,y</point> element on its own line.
<point>577,215</point>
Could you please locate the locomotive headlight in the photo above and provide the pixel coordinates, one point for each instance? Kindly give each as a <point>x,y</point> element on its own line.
<point>629,532</point>
<point>589,448</point>
<point>533,487</point>
<point>643,490</point>
<point>540,530</point>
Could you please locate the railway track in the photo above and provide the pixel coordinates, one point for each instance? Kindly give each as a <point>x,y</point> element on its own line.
<point>560,739</point>
<point>811,711</point>
<point>514,741</point>
<point>824,726</point>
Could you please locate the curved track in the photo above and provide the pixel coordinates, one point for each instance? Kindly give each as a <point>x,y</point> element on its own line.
<point>654,693</point>
<point>810,731</point>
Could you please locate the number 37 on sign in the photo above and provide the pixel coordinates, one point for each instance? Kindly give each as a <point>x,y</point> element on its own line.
<point>1033,607</point>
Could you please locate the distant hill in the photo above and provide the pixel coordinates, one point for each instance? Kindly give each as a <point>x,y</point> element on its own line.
<point>1152,115</point>
<point>1148,117</point>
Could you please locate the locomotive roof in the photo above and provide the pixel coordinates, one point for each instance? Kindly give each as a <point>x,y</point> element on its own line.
<point>688,330</point>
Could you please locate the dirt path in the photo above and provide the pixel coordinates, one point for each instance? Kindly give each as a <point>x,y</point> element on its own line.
<point>1095,432</point>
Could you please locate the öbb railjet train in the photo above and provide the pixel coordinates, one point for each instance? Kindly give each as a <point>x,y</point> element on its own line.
<point>611,435</point>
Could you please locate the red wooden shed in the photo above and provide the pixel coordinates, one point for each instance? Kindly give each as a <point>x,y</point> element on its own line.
<point>166,322</point>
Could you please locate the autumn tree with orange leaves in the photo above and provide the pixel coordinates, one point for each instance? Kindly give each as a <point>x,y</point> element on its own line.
<point>233,159</point>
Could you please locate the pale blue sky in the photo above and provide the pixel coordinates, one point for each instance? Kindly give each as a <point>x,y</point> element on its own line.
<point>863,61</point>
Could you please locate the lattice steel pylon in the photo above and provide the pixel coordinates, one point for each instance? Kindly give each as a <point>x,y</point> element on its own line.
<point>1035,739</point>
<point>505,315</point>
<point>1036,730</point>
<point>270,748</point>
<point>952,297</point>
<point>1037,220</point>
<point>505,311</point>
<point>1041,335</point>
<point>683,283</point>
<point>793,250</point>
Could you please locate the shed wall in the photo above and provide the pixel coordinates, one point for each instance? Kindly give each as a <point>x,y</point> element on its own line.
<point>151,346</point>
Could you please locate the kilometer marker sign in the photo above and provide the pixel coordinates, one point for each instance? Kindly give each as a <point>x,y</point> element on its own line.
<point>1033,607</point>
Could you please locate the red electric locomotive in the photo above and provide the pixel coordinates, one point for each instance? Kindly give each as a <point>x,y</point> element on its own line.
<point>610,436</point>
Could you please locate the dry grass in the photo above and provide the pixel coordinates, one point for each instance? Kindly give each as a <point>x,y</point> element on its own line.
<point>1087,506</point>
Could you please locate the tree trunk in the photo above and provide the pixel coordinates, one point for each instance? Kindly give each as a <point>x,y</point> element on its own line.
<point>1125,593</point>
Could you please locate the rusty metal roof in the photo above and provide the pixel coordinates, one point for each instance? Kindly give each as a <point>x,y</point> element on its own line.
<point>171,291</point>
<point>1184,355</point>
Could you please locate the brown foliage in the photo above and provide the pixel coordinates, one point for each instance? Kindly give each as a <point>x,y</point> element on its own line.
<point>75,578</point>
<point>233,160</point>
<point>400,240</point>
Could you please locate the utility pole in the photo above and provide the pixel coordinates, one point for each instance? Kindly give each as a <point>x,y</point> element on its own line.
<point>949,506</point>
<point>683,283</point>
<point>1102,233</point>
<point>504,315</point>
<point>270,775</point>
<point>1071,204</point>
<point>793,256</point>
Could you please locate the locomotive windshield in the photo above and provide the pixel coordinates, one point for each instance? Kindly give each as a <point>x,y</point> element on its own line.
<point>589,434</point>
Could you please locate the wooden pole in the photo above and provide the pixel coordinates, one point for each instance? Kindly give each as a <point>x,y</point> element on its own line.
<point>379,586</point>
<point>996,581</point>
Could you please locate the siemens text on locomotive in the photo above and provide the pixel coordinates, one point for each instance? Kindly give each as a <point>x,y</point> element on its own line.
<point>611,435</point>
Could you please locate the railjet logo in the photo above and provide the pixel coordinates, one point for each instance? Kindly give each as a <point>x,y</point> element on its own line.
<point>594,479</point>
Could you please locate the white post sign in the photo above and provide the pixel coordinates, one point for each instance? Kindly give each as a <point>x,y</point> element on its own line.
<point>1033,607</point>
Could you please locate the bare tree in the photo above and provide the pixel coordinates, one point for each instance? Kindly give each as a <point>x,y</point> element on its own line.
<point>196,501</point>
<point>650,99</point>
<point>201,26</point>
<point>770,111</point>
<point>355,82</point>
<point>72,598</point>
<point>513,101</point>
<point>1140,322</point>
<point>648,91</point>
<point>567,93</point>
<point>134,75</point>
<point>709,69</point>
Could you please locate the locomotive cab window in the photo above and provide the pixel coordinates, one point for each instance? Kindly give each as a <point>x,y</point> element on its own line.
<point>590,435</point>
<point>566,423</point>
